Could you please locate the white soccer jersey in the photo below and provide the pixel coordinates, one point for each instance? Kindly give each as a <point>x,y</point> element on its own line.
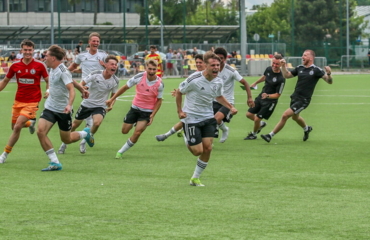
<point>229,75</point>
<point>199,96</point>
<point>58,93</point>
<point>90,63</point>
<point>99,89</point>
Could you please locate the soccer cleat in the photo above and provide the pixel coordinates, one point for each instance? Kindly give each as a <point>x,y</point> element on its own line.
<point>307,133</point>
<point>195,182</point>
<point>2,158</point>
<point>53,167</point>
<point>83,147</point>
<point>89,139</point>
<point>161,137</point>
<point>250,136</point>
<point>62,148</point>
<point>118,155</point>
<point>32,126</point>
<point>266,137</point>
<point>263,124</point>
<point>224,136</point>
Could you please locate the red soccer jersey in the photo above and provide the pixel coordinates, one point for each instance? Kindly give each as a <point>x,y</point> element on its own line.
<point>28,79</point>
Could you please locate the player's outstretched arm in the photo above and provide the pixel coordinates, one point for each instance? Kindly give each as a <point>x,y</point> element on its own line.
<point>222,100</point>
<point>120,91</point>
<point>3,83</point>
<point>327,77</point>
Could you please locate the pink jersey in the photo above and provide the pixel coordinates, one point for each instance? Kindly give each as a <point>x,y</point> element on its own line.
<point>146,96</point>
<point>28,79</point>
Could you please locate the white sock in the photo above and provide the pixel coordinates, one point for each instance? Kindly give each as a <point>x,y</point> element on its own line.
<point>305,128</point>
<point>272,134</point>
<point>127,146</point>
<point>52,155</point>
<point>199,168</point>
<point>169,133</point>
<point>5,154</point>
<point>89,122</point>
<point>223,127</point>
<point>83,134</point>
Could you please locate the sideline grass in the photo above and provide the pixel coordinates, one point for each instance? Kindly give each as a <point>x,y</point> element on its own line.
<point>286,189</point>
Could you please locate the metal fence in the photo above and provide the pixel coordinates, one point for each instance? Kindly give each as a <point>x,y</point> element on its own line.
<point>351,62</point>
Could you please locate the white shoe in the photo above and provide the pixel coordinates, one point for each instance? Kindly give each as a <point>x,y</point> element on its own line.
<point>32,126</point>
<point>83,147</point>
<point>2,158</point>
<point>225,135</point>
<point>62,148</point>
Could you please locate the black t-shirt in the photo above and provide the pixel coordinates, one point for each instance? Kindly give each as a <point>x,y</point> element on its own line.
<point>307,80</point>
<point>274,83</point>
<point>12,57</point>
<point>78,48</point>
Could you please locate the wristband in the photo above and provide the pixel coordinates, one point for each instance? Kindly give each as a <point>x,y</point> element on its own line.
<point>47,90</point>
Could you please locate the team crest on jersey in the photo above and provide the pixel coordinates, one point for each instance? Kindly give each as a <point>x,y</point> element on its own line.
<point>215,88</point>
<point>192,140</point>
<point>33,71</point>
<point>311,72</point>
<point>274,79</point>
<point>224,77</point>
<point>19,71</point>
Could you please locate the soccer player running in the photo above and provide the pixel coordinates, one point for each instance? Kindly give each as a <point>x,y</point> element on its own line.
<point>146,103</point>
<point>89,61</point>
<point>155,56</point>
<point>308,76</point>
<point>58,107</point>
<point>101,82</point>
<point>267,100</point>
<point>228,75</point>
<point>199,63</point>
<point>28,73</point>
<point>197,113</point>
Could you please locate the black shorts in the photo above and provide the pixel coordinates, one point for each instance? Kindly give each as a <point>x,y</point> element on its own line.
<point>135,115</point>
<point>84,112</point>
<point>194,132</point>
<point>299,104</point>
<point>64,119</point>
<point>263,108</point>
<point>217,107</point>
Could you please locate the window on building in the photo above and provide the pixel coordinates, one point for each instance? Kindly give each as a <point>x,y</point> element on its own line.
<point>89,5</point>
<point>66,7</point>
<point>2,2</point>
<point>18,5</point>
<point>112,6</point>
<point>42,5</point>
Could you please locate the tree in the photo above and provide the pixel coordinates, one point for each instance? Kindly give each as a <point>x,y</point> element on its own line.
<point>315,22</point>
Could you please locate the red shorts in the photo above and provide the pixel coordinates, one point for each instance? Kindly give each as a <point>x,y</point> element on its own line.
<point>25,109</point>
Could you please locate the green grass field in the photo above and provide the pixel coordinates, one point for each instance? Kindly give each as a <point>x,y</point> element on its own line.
<point>286,189</point>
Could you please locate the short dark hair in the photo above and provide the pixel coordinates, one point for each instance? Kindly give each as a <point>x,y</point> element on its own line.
<point>278,56</point>
<point>210,55</point>
<point>28,43</point>
<point>153,46</point>
<point>109,57</point>
<point>198,56</point>
<point>57,52</point>
<point>221,51</point>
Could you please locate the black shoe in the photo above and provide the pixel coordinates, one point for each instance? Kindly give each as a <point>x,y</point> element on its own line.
<point>266,137</point>
<point>250,137</point>
<point>307,133</point>
<point>263,124</point>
